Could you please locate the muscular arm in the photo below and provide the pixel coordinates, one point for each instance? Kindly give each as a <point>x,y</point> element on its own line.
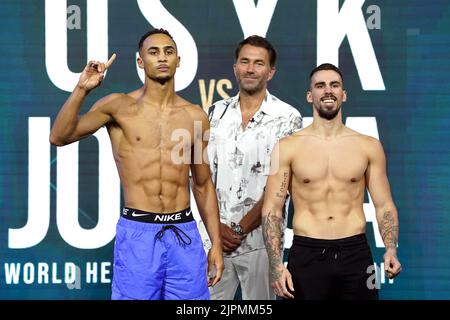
<point>386,212</point>
<point>68,126</point>
<point>272,218</point>
<point>206,199</point>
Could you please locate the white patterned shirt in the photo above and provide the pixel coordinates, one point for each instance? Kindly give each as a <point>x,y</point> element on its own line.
<point>240,159</point>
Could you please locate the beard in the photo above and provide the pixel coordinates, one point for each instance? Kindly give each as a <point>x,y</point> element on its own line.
<point>326,113</point>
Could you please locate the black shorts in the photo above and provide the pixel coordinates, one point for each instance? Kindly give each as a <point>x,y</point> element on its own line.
<point>332,269</point>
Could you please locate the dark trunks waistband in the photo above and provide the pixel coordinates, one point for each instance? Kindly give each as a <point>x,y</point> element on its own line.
<point>356,240</point>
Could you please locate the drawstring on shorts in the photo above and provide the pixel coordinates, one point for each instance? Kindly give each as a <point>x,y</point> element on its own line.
<point>336,250</point>
<point>177,231</point>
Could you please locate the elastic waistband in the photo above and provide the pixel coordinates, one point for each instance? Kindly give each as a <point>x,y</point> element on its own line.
<point>356,240</point>
<point>158,218</point>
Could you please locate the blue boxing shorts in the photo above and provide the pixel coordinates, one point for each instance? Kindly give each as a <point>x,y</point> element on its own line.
<point>159,257</point>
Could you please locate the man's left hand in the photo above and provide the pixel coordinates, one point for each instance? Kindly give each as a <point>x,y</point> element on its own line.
<point>215,265</point>
<point>392,266</point>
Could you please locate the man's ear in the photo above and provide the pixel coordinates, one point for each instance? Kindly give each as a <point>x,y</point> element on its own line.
<point>140,62</point>
<point>271,73</point>
<point>309,96</point>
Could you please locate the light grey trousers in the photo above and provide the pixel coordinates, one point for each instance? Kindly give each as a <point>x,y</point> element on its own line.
<point>251,271</point>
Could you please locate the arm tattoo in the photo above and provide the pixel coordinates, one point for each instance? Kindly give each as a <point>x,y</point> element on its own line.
<point>389,231</point>
<point>283,186</point>
<point>272,233</point>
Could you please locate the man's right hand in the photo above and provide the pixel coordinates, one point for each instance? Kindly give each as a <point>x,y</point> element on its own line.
<point>93,73</point>
<point>230,239</point>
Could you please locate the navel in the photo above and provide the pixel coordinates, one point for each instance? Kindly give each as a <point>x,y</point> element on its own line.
<point>306,180</point>
<point>138,138</point>
<point>353,179</point>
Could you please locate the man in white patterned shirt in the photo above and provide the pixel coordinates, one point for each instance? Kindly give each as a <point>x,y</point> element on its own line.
<point>244,130</point>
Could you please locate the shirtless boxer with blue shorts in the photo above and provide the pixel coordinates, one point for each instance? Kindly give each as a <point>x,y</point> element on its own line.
<point>158,252</point>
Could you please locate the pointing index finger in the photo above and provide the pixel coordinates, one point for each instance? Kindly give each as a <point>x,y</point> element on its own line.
<point>110,61</point>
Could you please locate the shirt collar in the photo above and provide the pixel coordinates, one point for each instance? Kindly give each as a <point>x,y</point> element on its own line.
<point>266,105</point>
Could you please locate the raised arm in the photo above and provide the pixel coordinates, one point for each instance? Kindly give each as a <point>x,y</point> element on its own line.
<point>272,218</point>
<point>386,212</point>
<point>206,199</point>
<point>68,126</point>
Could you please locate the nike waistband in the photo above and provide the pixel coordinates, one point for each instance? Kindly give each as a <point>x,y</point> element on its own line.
<point>162,218</point>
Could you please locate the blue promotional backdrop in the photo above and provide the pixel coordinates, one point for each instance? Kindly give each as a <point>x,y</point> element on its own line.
<point>59,206</point>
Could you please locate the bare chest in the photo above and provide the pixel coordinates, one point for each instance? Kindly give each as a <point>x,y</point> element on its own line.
<point>330,162</point>
<point>156,130</point>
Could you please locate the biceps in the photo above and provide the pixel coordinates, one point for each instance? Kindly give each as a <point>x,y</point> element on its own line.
<point>90,123</point>
<point>376,177</point>
<point>276,189</point>
<point>379,189</point>
<point>200,174</point>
